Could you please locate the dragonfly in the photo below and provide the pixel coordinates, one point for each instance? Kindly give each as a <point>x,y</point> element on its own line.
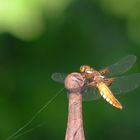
<point>106,82</point>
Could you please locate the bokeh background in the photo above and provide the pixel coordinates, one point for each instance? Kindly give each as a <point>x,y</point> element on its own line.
<point>40,37</point>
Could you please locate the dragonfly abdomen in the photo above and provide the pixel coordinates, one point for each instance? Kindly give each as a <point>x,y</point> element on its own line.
<point>107,95</point>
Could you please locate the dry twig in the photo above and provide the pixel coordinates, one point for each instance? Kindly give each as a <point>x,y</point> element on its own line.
<point>74,83</point>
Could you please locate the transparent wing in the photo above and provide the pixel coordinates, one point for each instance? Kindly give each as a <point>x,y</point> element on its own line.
<point>120,85</point>
<point>90,94</point>
<point>125,83</point>
<point>120,67</point>
<point>59,77</point>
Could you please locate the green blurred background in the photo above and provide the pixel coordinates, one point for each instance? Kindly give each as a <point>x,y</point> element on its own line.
<point>39,37</point>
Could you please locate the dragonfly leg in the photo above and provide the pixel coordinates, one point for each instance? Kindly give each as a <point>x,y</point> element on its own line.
<point>92,84</point>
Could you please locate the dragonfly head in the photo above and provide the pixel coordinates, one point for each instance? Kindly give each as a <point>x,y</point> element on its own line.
<point>87,71</point>
<point>85,68</point>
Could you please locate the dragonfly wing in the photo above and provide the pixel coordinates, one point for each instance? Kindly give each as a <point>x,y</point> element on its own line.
<point>125,83</point>
<point>90,94</point>
<point>120,67</point>
<point>59,77</point>
<point>120,85</point>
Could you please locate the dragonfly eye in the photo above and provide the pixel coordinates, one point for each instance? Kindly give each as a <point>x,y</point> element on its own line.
<point>82,69</point>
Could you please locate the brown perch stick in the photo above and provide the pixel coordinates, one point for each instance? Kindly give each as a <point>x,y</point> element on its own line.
<point>74,83</point>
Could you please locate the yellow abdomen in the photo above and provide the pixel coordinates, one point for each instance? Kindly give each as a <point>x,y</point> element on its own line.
<point>107,95</point>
